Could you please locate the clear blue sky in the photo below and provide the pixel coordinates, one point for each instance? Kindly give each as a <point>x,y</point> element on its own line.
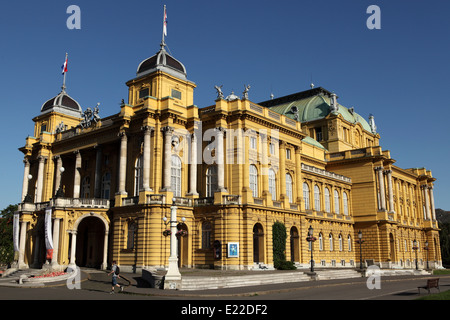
<point>399,73</point>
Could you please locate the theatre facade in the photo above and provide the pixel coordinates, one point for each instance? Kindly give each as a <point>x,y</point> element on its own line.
<point>101,189</point>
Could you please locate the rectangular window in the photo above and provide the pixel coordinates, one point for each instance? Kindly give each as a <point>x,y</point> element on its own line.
<point>176,94</point>
<point>253,142</point>
<point>288,154</point>
<point>319,134</point>
<point>144,93</point>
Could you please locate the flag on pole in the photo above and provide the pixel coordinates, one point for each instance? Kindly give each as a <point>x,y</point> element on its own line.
<point>165,22</point>
<point>64,66</point>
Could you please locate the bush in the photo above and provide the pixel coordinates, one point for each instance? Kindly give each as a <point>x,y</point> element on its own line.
<point>279,247</point>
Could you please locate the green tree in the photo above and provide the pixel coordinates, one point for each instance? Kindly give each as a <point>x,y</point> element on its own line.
<point>279,247</point>
<point>6,235</point>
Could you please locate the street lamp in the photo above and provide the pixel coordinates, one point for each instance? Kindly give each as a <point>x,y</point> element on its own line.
<point>28,198</point>
<point>310,238</point>
<point>60,192</point>
<point>426,248</point>
<point>360,241</point>
<point>415,248</point>
<point>173,276</point>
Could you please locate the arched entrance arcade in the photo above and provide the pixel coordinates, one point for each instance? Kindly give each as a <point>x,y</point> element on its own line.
<point>89,241</point>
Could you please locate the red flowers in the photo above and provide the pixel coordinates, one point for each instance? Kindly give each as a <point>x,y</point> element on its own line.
<point>51,274</point>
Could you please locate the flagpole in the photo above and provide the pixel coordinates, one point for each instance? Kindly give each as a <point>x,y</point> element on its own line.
<point>163,44</point>
<point>64,78</point>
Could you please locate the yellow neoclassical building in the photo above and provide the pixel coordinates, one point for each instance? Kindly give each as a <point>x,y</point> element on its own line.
<point>101,189</point>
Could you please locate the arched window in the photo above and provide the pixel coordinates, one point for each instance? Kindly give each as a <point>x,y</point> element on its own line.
<point>330,238</point>
<point>106,186</point>
<point>345,202</point>
<point>349,242</point>
<point>253,172</point>
<point>289,187</point>
<point>131,238</point>
<point>211,181</point>
<point>327,201</point>
<point>306,195</point>
<point>316,198</point>
<point>138,176</point>
<point>336,202</point>
<point>175,177</point>
<point>320,242</point>
<point>341,246</point>
<point>206,235</point>
<point>272,184</point>
<point>86,187</point>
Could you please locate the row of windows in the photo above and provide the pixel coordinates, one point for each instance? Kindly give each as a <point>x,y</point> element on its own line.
<point>317,199</point>
<point>211,186</point>
<point>331,243</point>
<point>105,188</point>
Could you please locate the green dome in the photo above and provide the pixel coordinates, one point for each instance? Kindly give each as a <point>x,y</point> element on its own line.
<point>313,107</point>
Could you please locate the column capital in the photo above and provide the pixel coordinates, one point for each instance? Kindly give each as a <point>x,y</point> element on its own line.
<point>387,171</point>
<point>57,157</point>
<point>122,134</point>
<point>167,130</point>
<point>220,130</point>
<point>147,129</point>
<point>26,162</point>
<point>378,168</point>
<point>424,186</point>
<point>42,158</point>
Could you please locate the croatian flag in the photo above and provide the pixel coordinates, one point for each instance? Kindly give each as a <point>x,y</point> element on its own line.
<point>64,66</point>
<point>165,22</point>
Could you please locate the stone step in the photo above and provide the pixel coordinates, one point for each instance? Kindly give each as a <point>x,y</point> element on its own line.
<point>337,274</point>
<point>199,283</point>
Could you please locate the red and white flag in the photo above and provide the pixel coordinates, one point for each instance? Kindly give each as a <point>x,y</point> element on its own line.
<point>64,66</point>
<point>165,22</point>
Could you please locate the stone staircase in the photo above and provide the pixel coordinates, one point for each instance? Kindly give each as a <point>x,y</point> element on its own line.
<point>203,283</point>
<point>330,274</point>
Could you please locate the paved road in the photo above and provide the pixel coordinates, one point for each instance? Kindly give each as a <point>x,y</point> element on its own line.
<point>95,286</point>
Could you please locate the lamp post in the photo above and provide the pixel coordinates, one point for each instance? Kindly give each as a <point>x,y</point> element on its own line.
<point>28,198</point>
<point>60,192</point>
<point>310,238</point>
<point>173,276</point>
<point>415,248</point>
<point>360,241</point>
<point>426,248</point>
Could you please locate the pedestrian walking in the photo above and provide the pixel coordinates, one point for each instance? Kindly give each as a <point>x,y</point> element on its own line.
<point>115,272</point>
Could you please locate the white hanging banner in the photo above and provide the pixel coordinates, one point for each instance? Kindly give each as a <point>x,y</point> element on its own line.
<point>48,229</point>
<point>16,231</point>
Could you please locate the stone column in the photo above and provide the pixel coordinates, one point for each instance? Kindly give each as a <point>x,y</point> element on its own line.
<point>23,234</point>
<point>173,276</point>
<point>55,242</point>
<point>193,166</point>
<point>433,209</point>
<point>122,163</point>
<point>98,172</point>
<point>105,252</point>
<point>77,177</point>
<point>73,248</point>
<point>220,160</point>
<point>264,163</point>
<point>146,157</point>
<point>381,187</point>
<point>40,179</point>
<point>390,191</point>
<point>26,172</point>
<point>58,173</point>
<point>427,201</point>
<point>167,132</point>
<point>298,175</point>
<point>246,164</point>
<point>282,173</point>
